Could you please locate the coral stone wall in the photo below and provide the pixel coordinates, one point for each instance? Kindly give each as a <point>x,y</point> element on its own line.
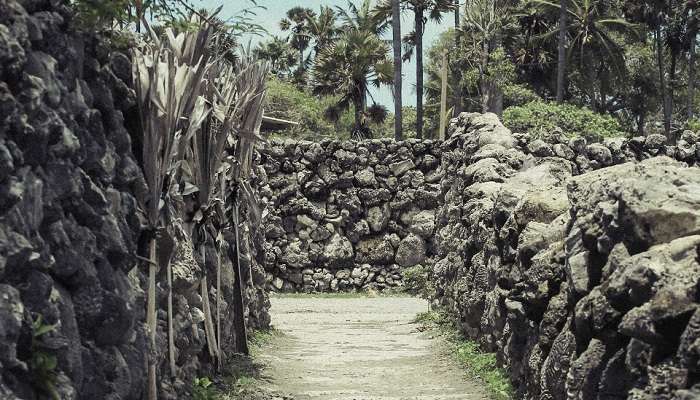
<point>578,264</point>
<point>70,227</point>
<point>348,215</point>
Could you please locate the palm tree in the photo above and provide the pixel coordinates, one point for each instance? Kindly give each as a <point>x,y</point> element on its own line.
<point>434,9</point>
<point>322,28</point>
<point>279,53</point>
<point>296,22</point>
<point>484,21</point>
<point>691,76</point>
<point>591,41</point>
<point>364,18</point>
<point>398,106</point>
<point>356,60</point>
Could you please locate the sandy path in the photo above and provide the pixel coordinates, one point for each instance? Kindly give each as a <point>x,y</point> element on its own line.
<point>359,349</point>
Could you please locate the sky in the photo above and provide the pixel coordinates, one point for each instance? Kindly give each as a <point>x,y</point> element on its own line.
<point>276,9</point>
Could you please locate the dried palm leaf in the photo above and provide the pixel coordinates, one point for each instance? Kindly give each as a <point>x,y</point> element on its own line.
<point>167,92</point>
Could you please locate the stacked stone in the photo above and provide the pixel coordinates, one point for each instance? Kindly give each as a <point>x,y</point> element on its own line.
<point>70,228</point>
<point>583,276</point>
<point>348,215</point>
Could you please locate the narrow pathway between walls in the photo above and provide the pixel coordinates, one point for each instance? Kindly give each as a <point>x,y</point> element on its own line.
<point>360,349</point>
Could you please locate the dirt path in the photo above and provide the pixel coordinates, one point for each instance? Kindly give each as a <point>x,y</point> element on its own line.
<point>360,349</point>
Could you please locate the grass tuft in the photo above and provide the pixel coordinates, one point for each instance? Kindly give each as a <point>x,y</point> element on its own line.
<point>243,373</point>
<point>478,364</point>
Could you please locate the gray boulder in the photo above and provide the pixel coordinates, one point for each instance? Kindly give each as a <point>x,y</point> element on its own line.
<point>423,224</point>
<point>401,167</point>
<point>411,251</point>
<point>374,251</point>
<point>294,257</point>
<point>338,252</point>
<point>365,178</point>
<point>378,217</point>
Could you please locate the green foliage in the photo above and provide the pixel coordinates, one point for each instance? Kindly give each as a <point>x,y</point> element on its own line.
<point>357,59</point>
<point>203,389</point>
<point>417,281</point>
<point>515,94</point>
<point>43,364</point>
<point>499,67</point>
<point>122,15</point>
<point>693,125</point>
<point>286,100</point>
<point>408,115</point>
<point>279,54</point>
<point>107,14</point>
<point>538,117</point>
<point>477,363</point>
<point>101,12</point>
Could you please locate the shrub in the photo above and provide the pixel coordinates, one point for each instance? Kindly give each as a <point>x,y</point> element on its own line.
<point>538,117</point>
<point>43,363</point>
<point>417,281</point>
<point>203,389</point>
<point>517,95</point>
<point>693,125</point>
<point>284,100</point>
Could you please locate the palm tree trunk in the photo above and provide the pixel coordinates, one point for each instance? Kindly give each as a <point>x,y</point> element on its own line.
<point>561,61</point>
<point>357,104</point>
<point>691,78</point>
<point>671,87</point>
<point>640,123</point>
<point>485,89</point>
<point>398,98</point>
<point>457,84</point>
<point>492,95</point>
<point>419,71</point>
<point>301,60</point>
<point>662,80</point>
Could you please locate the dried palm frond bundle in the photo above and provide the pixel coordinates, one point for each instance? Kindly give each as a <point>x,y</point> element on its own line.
<point>170,111</point>
<point>246,134</point>
<point>232,93</point>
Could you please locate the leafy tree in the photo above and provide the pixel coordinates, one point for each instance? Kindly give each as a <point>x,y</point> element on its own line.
<point>287,101</point>
<point>641,94</point>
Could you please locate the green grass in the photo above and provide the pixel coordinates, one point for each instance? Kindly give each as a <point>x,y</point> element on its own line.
<point>241,378</point>
<point>261,338</point>
<point>467,353</point>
